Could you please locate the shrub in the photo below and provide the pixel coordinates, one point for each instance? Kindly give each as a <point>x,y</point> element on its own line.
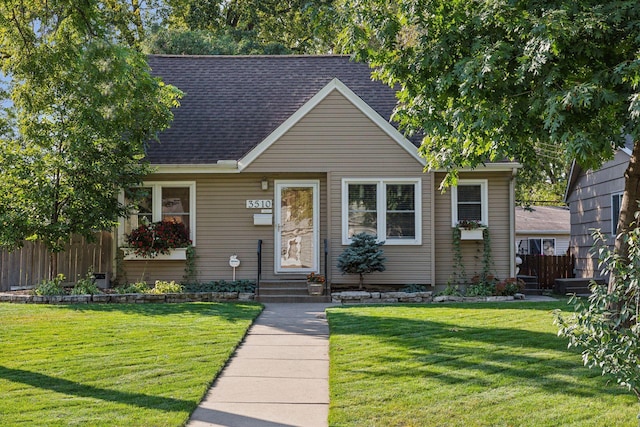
<point>51,287</point>
<point>451,290</point>
<point>411,288</point>
<point>363,256</point>
<point>605,326</point>
<point>481,289</point>
<point>133,288</point>
<point>222,286</point>
<point>510,286</point>
<point>86,286</point>
<point>164,287</point>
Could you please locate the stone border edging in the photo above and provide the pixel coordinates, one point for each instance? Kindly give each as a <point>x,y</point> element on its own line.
<point>128,298</point>
<point>365,297</point>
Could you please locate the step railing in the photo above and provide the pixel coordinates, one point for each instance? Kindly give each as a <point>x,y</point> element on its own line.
<point>259,275</point>
<point>326,269</point>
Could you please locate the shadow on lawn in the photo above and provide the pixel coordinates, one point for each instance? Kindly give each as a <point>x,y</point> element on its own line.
<point>473,355</point>
<point>72,388</point>
<point>229,311</point>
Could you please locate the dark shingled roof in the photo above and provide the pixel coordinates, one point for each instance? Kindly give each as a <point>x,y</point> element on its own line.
<point>232,103</point>
<point>543,218</point>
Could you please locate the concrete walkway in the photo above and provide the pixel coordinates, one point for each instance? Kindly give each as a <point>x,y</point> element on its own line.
<point>277,377</point>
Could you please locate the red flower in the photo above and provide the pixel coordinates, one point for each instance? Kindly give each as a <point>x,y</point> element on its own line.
<point>158,238</point>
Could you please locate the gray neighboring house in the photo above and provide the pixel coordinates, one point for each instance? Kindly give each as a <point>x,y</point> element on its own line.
<point>594,198</point>
<point>299,152</point>
<point>542,230</point>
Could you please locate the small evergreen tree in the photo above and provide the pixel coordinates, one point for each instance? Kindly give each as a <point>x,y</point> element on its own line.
<point>362,256</point>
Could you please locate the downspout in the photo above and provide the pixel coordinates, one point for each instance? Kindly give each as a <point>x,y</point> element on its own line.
<point>512,223</point>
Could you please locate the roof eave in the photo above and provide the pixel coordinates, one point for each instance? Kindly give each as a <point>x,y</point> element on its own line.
<point>222,166</point>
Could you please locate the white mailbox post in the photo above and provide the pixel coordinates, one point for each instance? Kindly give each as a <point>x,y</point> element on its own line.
<point>234,262</point>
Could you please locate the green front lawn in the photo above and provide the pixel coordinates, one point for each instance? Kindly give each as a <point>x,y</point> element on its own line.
<point>464,365</point>
<point>108,365</point>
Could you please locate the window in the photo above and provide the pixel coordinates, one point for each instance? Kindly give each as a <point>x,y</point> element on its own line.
<point>173,201</point>
<point>616,204</point>
<point>387,208</point>
<point>542,246</point>
<point>469,201</point>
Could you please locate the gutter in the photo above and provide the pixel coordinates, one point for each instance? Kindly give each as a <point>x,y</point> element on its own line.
<point>221,166</point>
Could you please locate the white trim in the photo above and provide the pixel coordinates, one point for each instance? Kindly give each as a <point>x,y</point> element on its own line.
<point>278,185</point>
<point>223,166</point>
<point>381,210</point>
<point>176,254</point>
<point>156,209</point>
<point>484,200</point>
<point>334,84</point>
<point>486,167</point>
<point>542,239</point>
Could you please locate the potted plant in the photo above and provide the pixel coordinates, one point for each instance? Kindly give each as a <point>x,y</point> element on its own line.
<point>156,239</point>
<point>315,283</point>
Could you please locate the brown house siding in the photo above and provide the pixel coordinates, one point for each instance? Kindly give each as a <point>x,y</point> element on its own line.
<point>499,229</point>
<point>224,227</point>
<point>337,138</point>
<point>334,141</point>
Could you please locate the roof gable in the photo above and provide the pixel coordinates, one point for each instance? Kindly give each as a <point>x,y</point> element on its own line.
<point>234,103</point>
<point>333,85</point>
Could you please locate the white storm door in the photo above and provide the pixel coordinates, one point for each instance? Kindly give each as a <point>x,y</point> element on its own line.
<point>297,235</point>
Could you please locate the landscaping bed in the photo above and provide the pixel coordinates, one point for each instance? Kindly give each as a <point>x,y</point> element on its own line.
<point>113,298</point>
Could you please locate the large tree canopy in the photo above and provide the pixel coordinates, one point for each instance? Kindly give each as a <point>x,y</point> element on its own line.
<point>487,80</point>
<point>494,79</point>
<point>242,26</point>
<point>80,109</point>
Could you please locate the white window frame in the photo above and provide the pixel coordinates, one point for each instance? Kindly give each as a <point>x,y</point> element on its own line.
<point>542,240</point>
<point>615,216</point>
<point>484,200</point>
<point>381,208</point>
<point>156,208</point>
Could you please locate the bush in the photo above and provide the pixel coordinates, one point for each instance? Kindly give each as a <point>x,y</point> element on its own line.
<point>164,287</point>
<point>51,287</point>
<point>86,286</point>
<point>222,286</point>
<point>363,256</point>
<point>412,288</point>
<point>480,290</point>
<point>133,288</point>
<point>510,286</point>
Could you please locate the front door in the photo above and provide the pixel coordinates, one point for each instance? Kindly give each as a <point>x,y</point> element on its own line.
<point>297,235</point>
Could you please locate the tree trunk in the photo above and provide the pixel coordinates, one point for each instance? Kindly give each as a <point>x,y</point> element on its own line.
<point>53,265</point>
<point>361,281</point>
<point>628,208</point>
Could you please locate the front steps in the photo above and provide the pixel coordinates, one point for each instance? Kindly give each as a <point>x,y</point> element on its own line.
<point>532,287</point>
<point>289,291</point>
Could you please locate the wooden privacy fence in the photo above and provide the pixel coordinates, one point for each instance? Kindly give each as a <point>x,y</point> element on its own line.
<point>547,268</point>
<point>29,265</point>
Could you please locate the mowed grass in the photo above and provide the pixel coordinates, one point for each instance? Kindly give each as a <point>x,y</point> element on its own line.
<point>113,365</point>
<point>464,365</point>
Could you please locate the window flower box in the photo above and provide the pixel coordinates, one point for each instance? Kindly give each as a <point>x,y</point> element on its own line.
<point>471,233</point>
<point>175,254</point>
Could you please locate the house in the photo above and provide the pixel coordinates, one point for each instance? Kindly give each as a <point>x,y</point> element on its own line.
<point>298,152</point>
<point>594,198</point>
<point>542,230</point>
